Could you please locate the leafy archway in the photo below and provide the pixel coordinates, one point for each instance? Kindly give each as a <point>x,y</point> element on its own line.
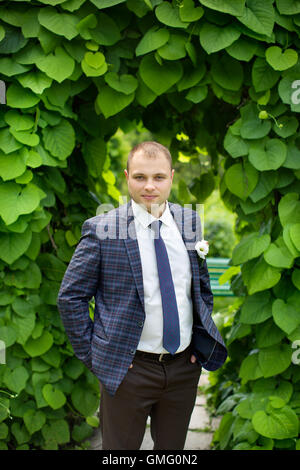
<point>223,73</point>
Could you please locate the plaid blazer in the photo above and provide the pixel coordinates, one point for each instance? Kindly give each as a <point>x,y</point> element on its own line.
<point>106,265</point>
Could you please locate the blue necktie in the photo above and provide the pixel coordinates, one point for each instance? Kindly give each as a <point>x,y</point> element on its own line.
<point>171,332</point>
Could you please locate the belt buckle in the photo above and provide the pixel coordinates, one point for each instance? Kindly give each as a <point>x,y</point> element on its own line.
<point>161,357</point>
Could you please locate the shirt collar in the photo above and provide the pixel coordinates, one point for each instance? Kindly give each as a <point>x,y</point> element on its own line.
<point>145,218</point>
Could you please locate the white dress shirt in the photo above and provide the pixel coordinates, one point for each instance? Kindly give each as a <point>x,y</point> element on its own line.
<point>152,334</point>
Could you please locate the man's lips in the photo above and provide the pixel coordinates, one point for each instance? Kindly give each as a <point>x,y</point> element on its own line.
<point>148,197</point>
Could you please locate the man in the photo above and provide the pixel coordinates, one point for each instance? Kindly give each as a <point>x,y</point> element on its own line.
<point>152,329</point>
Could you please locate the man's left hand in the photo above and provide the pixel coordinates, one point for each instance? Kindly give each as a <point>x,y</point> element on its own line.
<point>193,359</point>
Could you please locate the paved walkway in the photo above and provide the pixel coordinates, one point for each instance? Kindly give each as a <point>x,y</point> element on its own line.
<point>200,431</point>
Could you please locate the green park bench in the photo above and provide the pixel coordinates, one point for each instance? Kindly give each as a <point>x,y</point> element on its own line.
<point>217,267</point>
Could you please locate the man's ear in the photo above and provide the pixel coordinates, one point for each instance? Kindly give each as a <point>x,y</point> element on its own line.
<point>126,173</point>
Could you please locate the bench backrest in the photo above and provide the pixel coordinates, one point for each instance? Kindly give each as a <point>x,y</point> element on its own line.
<point>216,267</point>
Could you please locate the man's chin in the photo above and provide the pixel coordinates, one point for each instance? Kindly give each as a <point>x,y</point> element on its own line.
<point>151,205</point>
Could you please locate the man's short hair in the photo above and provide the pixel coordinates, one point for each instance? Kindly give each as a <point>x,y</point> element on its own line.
<point>151,149</point>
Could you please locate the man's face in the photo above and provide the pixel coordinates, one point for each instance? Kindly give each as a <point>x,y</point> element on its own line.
<point>149,180</point>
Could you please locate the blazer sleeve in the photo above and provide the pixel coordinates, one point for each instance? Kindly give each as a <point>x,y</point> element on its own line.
<point>78,286</point>
<point>206,292</point>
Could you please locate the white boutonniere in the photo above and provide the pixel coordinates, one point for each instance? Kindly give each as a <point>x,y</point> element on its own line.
<point>202,248</point>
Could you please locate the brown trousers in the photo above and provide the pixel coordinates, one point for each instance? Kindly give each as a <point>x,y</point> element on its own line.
<point>165,391</point>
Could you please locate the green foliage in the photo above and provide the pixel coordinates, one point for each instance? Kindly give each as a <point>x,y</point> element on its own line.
<point>223,74</point>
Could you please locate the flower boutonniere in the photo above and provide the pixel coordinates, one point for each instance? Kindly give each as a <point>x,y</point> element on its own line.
<point>202,248</point>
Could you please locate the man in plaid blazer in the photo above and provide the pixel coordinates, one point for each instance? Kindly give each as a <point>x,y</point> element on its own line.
<point>114,262</point>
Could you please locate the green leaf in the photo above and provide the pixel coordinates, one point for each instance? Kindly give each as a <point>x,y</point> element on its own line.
<point>111,102</point>
<point>63,24</point>
<point>174,49</point>
<point>91,71</point>
<point>251,246</point>
<point>228,73</point>
<point>289,127</point>
<point>263,276</point>
<point>296,278</point>
<point>53,396</point>
<point>83,431</point>
<point>19,122</point>
<point>169,15</point>
<point>241,179</point>
<point>15,200</point>
<point>197,94</point>
<point>288,7</point>
<point>214,38</point>
<point>16,379</point>
<point>58,65</point>
<point>289,209</point>
<point>10,67</point>
<point>191,77</point>
<point>59,139</point>
<point>242,49</point>
<point>252,127</point>
<point>84,400</point>
<point>259,16</point>
<point>189,13</point>
<point>159,78</point>
<point>281,60</point>
<point>107,32</point>
<point>250,368</point>
<point>14,245</point>
<point>277,424</point>
<point>275,359</point>
<point>56,432</point>
<point>278,254</point>
<point>94,154</point>
<point>106,3</point>
<point>37,347</point>
<point>153,39</point>
<point>267,155</point>
<point>235,145</point>
<point>263,76</point>
<point>286,316</point>
<point>74,368</point>
<point>124,83</point>
<point>12,165</point>
<point>8,335</point>
<point>94,60</point>
<point>295,235</point>
<point>24,326</point>
<point>17,97</point>
<point>34,420</point>
<point>268,334</point>
<point>257,308</point>
<point>93,421</point>
<point>235,8</point>
<point>26,138</point>
<point>35,80</point>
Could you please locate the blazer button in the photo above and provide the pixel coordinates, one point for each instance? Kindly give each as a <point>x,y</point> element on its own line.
<point>132,351</point>
<point>141,323</point>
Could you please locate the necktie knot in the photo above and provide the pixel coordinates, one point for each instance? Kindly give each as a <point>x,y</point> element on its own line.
<point>155,226</point>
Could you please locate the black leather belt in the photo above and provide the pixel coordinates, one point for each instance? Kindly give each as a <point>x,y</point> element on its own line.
<point>164,357</point>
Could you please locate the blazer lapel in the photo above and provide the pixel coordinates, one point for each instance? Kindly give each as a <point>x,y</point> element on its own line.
<point>189,238</point>
<point>127,226</point>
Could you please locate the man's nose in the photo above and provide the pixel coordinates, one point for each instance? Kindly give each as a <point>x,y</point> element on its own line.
<point>149,185</point>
